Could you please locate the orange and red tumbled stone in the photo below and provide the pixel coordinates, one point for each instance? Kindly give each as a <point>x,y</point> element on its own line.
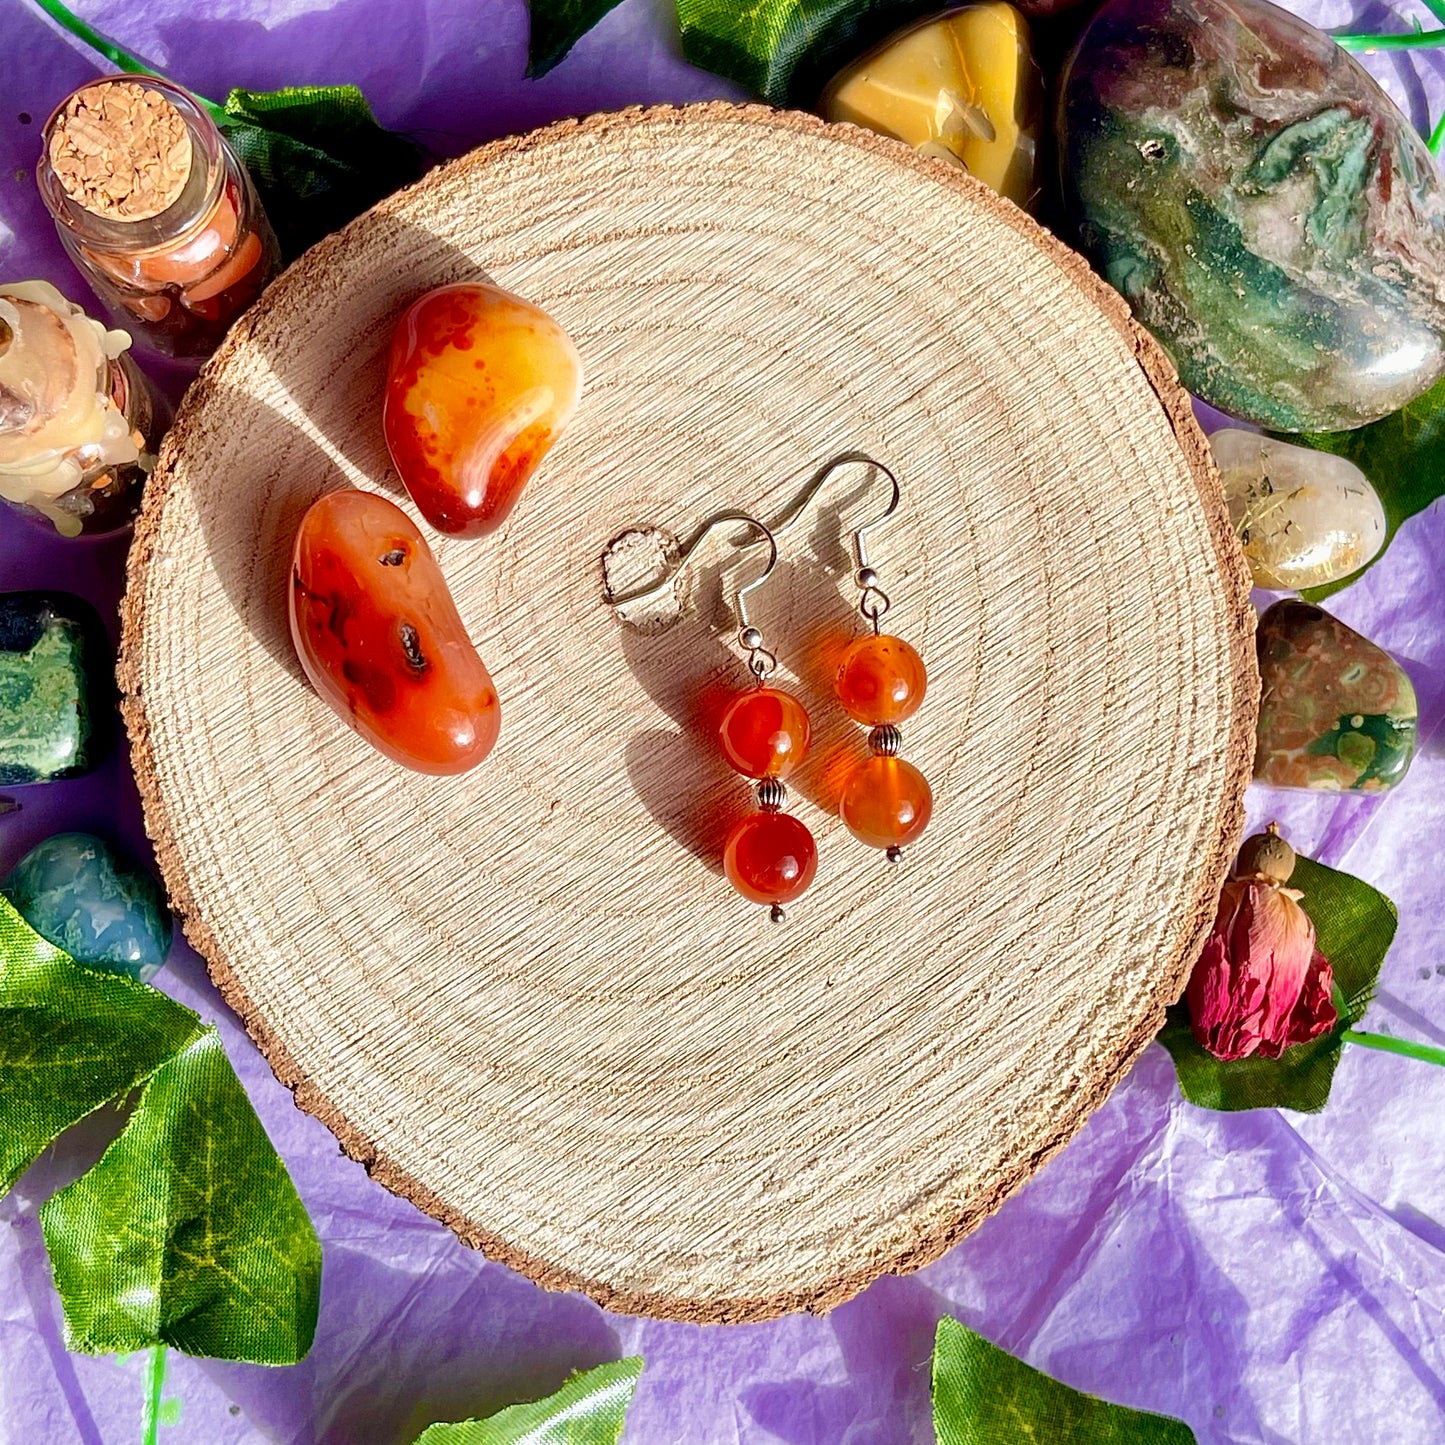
<point>381,640</point>
<point>770,858</point>
<point>765,733</point>
<point>881,680</point>
<point>480,385</point>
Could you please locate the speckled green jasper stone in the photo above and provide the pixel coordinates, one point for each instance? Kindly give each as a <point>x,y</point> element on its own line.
<point>1264,207</point>
<point>1336,712</point>
<point>54,686</point>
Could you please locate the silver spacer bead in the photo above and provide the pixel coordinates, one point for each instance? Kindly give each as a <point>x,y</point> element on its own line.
<point>776,913</point>
<point>867,578</point>
<point>885,740</point>
<point>895,854</point>
<point>772,795</point>
<point>751,638</point>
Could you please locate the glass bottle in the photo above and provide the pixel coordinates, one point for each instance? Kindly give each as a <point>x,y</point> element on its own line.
<point>78,422</point>
<point>179,277</point>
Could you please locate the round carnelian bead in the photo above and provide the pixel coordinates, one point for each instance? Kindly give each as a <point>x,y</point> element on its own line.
<point>881,680</point>
<point>770,857</point>
<point>886,802</point>
<point>765,733</point>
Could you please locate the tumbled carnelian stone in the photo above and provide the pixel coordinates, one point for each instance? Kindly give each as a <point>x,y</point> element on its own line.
<point>881,680</point>
<point>765,733</point>
<point>481,384</point>
<point>770,857</point>
<point>886,802</point>
<point>380,638</point>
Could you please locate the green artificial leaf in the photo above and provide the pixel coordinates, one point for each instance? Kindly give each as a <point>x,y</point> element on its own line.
<point>984,1396</point>
<point>188,1232</point>
<point>71,1039</point>
<point>1403,455</point>
<point>1354,926</point>
<point>317,156</point>
<point>588,1410</point>
<point>788,50</point>
<point>557,25</point>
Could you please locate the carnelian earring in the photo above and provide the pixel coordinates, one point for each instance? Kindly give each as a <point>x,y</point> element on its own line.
<point>886,802</point>
<point>770,856</point>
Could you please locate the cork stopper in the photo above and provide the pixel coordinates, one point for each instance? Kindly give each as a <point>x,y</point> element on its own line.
<point>121,150</point>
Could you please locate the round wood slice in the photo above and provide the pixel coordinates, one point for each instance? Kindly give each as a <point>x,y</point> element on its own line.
<point>527,998</point>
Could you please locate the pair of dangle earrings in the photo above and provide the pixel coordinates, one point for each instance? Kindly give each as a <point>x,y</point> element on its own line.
<point>770,856</point>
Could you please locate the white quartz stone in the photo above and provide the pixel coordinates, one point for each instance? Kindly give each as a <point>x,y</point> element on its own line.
<point>1304,517</point>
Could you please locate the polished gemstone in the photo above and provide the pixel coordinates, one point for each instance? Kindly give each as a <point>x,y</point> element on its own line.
<point>481,384</point>
<point>881,680</point>
<point>886,802</point>
<point>55,690</point>
<point>1264,207</point>
<point>85,897</point>
<point>1304,517</point>
<point>770,857</point>
<point>962,86</point>
<point>765,733</point>
<point>1336,712</point>
<point>380,638</point>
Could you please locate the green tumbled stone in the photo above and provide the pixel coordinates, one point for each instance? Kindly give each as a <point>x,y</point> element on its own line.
<point>83,896</point>
<point>1336,712</point>
<point>55,689</point>
<point>1266,210</point>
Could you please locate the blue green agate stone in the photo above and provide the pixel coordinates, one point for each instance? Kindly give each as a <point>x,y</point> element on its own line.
<point>83,896</point>
<point>1262,204</point>
<point>55,687</point>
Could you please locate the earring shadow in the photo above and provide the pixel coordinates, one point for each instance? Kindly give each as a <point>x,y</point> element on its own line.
<point>690,673</point>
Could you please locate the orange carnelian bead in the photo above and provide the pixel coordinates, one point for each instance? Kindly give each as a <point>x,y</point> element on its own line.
<point>770,857</point>
<point>886,802</point>
<point>881,680</point>
<point>765,733</point>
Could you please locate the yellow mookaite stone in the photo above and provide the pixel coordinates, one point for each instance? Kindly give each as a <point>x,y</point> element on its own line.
<point>962,86</point>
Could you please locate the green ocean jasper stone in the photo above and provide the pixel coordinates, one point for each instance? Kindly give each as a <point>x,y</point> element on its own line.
<point>1262,204</point>
<point>54,687</point>
<point>1336,712</point>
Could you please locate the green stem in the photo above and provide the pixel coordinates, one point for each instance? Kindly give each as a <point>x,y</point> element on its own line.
<point>1424,1052</point>
<point>1402,40</point>
<point>155,1380</point>
<point>118,56</point>
<point>121,59</point>
<point>1437,136</point>
<point>1437,9</point>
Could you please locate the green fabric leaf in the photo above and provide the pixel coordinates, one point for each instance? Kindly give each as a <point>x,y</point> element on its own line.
<point>188,1232</point>
<point>71,1039</point>
<point>588,1410</point>
<point>317,156</point>
<point>1403,455</point>
<point>557,25</point>
<point>788,50</point>
<point>984,1396</point>
<point>1354,926</point>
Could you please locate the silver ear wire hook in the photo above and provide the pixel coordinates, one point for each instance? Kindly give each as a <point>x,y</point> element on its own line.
<point>874,601</point>
<point>761,662</point>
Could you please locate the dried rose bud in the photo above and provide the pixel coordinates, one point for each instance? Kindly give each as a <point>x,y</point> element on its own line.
<point>1261,984</point>
<point>1266,855</point>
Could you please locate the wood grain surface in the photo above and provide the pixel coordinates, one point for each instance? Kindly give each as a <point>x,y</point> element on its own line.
<point>526,997</point>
